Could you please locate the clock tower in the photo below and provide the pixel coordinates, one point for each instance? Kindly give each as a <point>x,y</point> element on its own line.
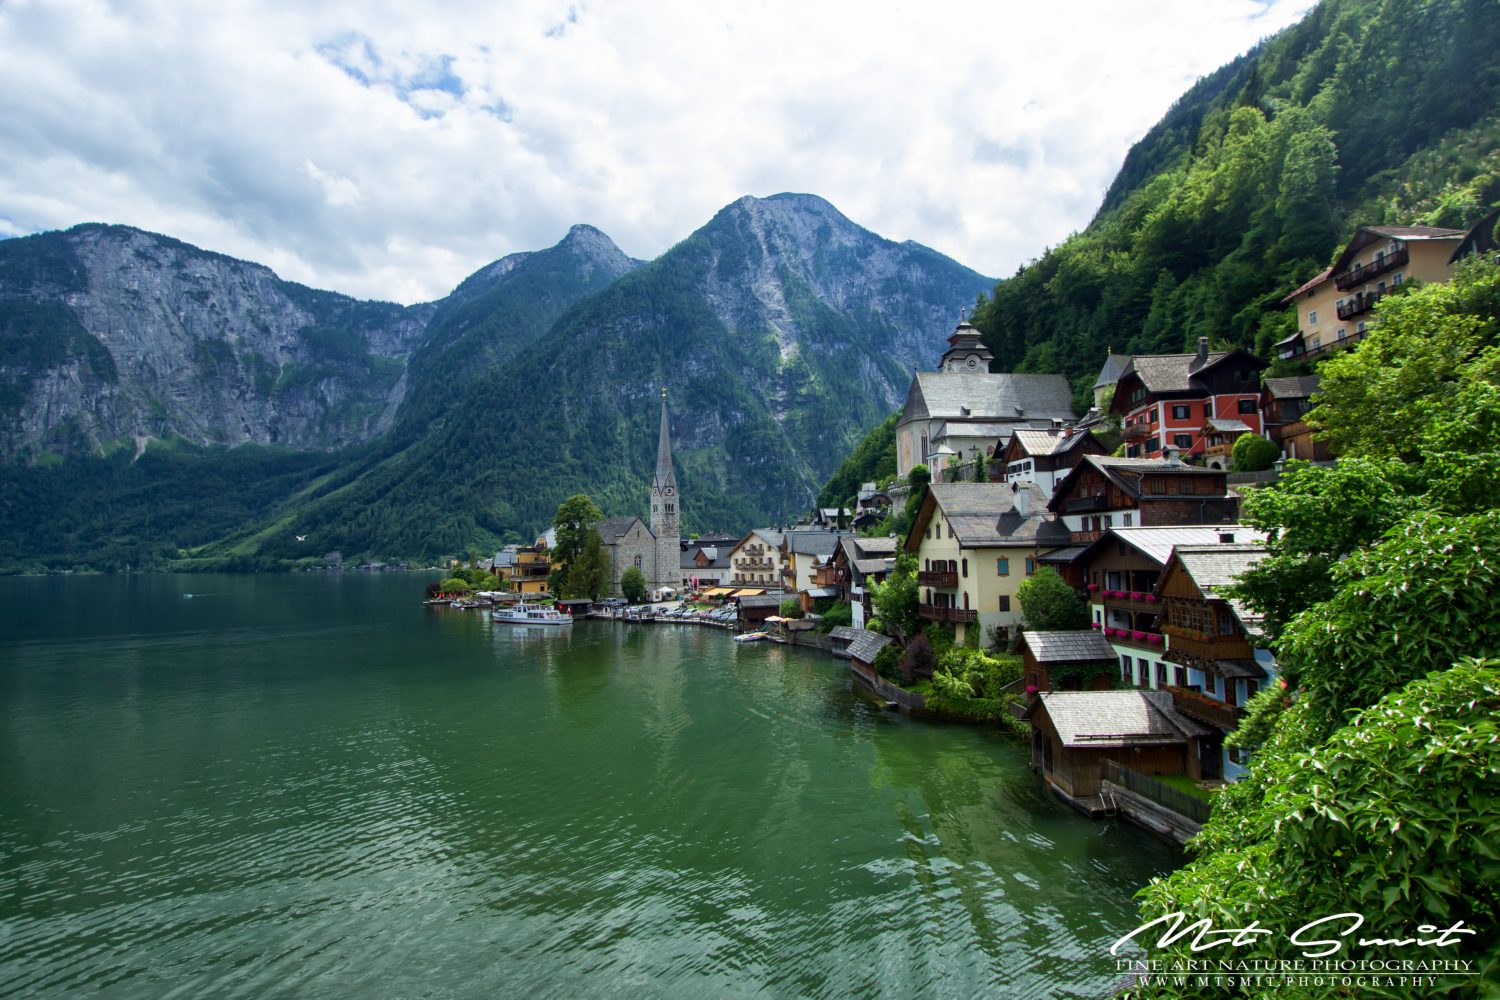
<point>665,512</point>
<point>966,352</point>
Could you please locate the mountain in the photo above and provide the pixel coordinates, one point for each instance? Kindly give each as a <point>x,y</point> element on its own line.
<point>110,335</point>
<point>780,329</point>
<point>1365,112</point>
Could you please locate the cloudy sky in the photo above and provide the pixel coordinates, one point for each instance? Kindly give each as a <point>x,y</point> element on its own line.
<point>387,149</point>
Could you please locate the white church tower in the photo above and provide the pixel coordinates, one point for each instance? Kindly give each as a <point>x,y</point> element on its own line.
<point>665,524</point>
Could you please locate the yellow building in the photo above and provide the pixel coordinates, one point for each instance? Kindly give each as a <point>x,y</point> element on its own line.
<point>528,573</point>
<point>975,543</point>
<point>756,561</point>
<point>1333,309</point>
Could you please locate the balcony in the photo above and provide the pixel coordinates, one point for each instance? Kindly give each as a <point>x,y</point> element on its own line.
<point>1194,703</point>
<point>1087,505</point>
<point>1134,431</point>
<point>934,613</point>
<point>1138,638</point>
<point>829,576</point>
<point>941,579</point>
<point>1337,344</point>
<point>1361,303</point>
<point>1365,272</point>
<point>754,564</point>
<point>1206,646</point>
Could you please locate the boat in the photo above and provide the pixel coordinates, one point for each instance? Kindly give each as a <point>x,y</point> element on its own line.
<point>751,636</point>
<point>531,614</point>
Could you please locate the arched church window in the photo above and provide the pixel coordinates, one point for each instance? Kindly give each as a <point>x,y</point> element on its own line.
<point>637,562</point>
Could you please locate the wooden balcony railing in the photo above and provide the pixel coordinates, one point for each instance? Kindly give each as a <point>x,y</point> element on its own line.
<point>1086,505</point>
<point>1194,703</point>
<point>1336,344</point>
<point>936,614</point>
<point>1208,646</point>
<point>941,579</point>
<point>1365,272</point>
<point>1361,303</point>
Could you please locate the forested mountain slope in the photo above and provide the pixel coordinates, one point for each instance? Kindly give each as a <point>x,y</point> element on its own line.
<point>1367,111</point>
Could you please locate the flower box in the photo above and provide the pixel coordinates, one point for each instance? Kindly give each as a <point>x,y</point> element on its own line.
<point>1093,586</point>
<point>1095,625</point>
<point>1137,636</point>
<point>1135,595</point>
<point>1149,597</point>
<point>1153,637</point>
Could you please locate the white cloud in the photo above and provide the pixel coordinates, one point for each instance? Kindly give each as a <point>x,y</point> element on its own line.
<point>388,149</point>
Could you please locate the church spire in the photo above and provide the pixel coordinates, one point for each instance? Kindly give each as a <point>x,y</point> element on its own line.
<point>664,476</point>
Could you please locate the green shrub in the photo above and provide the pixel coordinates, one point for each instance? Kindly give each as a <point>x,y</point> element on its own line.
<point>1253,453</point>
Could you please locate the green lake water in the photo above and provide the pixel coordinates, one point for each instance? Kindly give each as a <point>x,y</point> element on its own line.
<point>314,786</point>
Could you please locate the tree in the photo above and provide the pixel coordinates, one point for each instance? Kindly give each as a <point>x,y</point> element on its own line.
<point>918,662</point>
<point>633,584</point>
<point>1049,604</point>
<point>1253,453</point>
<point>790,608</point>
<point>454,585</point>
<point>588,572</point>
<point>981,472</point>
<point>575,518</point>
<point>896,598</point>
<point>918,479</point>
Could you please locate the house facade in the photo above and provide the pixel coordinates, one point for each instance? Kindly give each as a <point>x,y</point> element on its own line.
<point>1210,634</point>
<point>1074,732</point>
<point>1284,403</point>
<point>1333,309</point>
<point>755,561</point>
<point>1164,400</point>
<point>1104,492</point>
<point>528,571</point>
<point>1045,457</point>
<point>975,543</point>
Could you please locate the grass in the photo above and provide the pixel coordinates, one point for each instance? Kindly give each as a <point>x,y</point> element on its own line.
<point>1185,785</point>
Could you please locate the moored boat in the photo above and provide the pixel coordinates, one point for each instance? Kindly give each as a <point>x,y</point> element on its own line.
<point>531,614</point>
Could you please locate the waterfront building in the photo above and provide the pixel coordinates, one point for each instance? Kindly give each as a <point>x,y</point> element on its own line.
<point>975,543</point>
<point>1070,655</point>
<point>1074,732</point>
<point>1333,308</point>
<point>526,569</point>
<point>755,561</point>
<point>857,565</point>
<point>654,549</point>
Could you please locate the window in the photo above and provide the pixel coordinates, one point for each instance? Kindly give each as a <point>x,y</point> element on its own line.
<point>1129,520</point>
<point>1247,406</point>
<point>1004,602</point>
<point>1397,278</point>
<point>1030,566</point>
<point>1317,342</point>
<point>1153,444</point>
<point>1161,675</point>
<point>1182,440</point>
<point>966,568</point>
<point>1154,416</point>
<point>1312,316</point>
<point>1180,676</point>
<point>1343,333</point>
<point>1125,669</point>
<point>1143,673</point>
<point>1134,451</point>
<point>1180,412</point>
<point>1002,568</point>
<point>1360,328</point>
<point>1338,305</point>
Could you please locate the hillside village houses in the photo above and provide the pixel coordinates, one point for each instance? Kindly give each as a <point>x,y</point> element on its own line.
<point>1173,402</point>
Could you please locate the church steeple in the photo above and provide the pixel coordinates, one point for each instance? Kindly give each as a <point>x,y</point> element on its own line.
<point>966,351</point>
<point>665,526</point>
<point>664,475</point>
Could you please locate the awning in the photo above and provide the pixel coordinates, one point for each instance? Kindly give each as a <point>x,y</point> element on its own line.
<point>748,592</point>
<point>1066,555</point>
<point>822,592</point>
<point>718,591</point>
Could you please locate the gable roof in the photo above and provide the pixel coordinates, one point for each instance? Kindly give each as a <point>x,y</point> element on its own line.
<point>1080,646</point>
<point>1126,473</point>
<point>1212,568</point>
<point>1227,425</point>
<point>1116,718</point>
<point>1291,387</point>
<point>1049,441</point>
<point>1317,280</point>
<point>866,644</point>
<point>1007,396</point>
<point>1365,235</point>
<point>981,514</point>
<point>1163,373</point>
<point>1157,544</point>
<point>612,529</point>
<point>814,543</point>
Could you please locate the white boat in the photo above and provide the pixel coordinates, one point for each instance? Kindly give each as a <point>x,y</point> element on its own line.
<point>751,637</point>
<point>531,614</point>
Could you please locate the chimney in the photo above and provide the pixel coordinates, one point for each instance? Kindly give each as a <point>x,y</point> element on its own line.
<point>1021,501</point>
<point>1202,352</point>
<point>1171,457</point>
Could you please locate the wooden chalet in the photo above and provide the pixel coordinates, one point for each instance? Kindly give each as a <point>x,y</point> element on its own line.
<point>1284,403</point>
<point>1045,457</point>
<point>1046,653</point>
<point>1104,492</point>
<point>1074,732</point>
<point>1164,399</point>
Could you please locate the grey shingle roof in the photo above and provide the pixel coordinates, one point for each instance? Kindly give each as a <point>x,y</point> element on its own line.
<point>1213,568</point>
<point>1047,442</point>
<point>1291,387</point>
<point>843,633</point>
<point>759,601</point>
<point>1157,544</point>
<point>985,514</point>
<point>1082,646</point>
<point>866,644</point>
<point>874,565</point>
<point>1126,474</point>
<point>883,545</point>
<point>1321,277</point>
<point>1168,372</point>
<point>1004,396</point>
<point>1114,366</point>
<point>981,428</point>
<point>1117,718</point>
<point>612,528</point>
<point>813,543</point>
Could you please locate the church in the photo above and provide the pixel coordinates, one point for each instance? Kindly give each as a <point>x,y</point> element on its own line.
<point>656,550</point>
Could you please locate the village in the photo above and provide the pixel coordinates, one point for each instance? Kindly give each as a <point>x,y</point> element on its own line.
<point>1119,527</point>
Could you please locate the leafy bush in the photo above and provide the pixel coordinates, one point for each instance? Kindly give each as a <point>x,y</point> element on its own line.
<point>839,614</point>
<point>918,662</point>
<point>633,584</point>
<point>1050,605</point>
<point>968,682</point>
<point>791,608</point>
<point>1253,453</point>
<point>888,663</point>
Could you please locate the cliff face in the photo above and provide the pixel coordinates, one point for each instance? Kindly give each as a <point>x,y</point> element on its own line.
<point>112,334</point>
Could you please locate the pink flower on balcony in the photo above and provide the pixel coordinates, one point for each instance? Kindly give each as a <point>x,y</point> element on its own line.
<point>1135,595</point>
<point>1093,586</point>
<point>1137,636</point>
<point>1094,625</point>
<point>1153,637</point>
<point>1031,690</point>
<point>1149,597</point>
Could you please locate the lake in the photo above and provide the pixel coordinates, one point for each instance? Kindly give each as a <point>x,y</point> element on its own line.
<point>313,785</point>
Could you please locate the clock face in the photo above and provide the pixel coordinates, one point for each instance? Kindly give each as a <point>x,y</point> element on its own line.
<point>973,362</point>
<point>669,491</point>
